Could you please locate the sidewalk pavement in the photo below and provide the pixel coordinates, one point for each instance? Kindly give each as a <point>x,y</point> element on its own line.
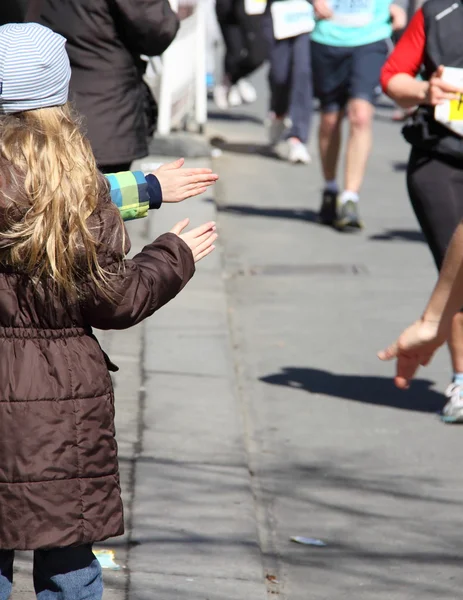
<point>189,511</point>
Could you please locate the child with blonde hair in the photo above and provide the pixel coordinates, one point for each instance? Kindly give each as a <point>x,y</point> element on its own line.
<point>63,271</point>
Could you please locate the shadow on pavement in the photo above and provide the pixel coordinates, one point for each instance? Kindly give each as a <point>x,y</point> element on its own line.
<point>245,148</point>
<point>361,388</point>
<point>390,235</point>
<point>399,166</point>
<point>301,214</point>
<point>233,116</point>
<point>386,531</point>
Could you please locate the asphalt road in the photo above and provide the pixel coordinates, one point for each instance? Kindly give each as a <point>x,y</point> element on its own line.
<point>335,452</point>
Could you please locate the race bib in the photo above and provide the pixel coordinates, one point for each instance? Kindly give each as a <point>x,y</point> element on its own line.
<point>291,18</point>
<point>352,13</point>
<point>255,7</point>
<point>450,113</point>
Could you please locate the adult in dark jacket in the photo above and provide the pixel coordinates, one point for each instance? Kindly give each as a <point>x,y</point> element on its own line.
<point>105,39</point>
<point>12,11</point>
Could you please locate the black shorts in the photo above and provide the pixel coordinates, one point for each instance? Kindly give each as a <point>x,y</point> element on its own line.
<point>341,73</point>
<point>435,187</point>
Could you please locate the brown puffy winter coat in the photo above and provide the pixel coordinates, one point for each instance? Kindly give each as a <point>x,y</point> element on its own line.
<point>59,482</point>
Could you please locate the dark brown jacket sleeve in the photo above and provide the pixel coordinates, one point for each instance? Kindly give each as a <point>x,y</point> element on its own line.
<point>141,285</point>
<point>149,25</point>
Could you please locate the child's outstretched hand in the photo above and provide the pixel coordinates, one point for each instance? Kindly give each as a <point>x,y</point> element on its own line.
<point>178,184</point>
<point>200,240</point>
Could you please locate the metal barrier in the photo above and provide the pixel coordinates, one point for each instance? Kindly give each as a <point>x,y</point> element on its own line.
<point>178,78</point>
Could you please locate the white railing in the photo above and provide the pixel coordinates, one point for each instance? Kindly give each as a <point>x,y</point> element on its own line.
<point>178,79</point>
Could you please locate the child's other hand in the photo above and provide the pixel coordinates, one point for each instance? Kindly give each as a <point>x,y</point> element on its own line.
<point>178,184</point>
<point>200,240</point>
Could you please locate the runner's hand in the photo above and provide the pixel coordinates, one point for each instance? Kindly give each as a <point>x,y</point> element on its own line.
<point>322,9</point>
<point>178,184</point>
<point>398,17</point>
<point>200,240</point>
<point>439,91</point>
<point>414,347</point>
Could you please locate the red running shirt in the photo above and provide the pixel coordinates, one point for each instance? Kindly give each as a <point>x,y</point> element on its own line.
<point>407,57</point>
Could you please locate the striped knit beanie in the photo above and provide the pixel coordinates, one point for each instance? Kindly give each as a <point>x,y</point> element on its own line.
<point>34,68</point>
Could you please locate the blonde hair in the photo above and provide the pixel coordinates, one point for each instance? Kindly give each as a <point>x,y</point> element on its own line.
<point>61,189</point>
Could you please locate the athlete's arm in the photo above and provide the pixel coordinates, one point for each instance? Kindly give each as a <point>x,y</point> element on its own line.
<point>433,92</point>
<point>322,9</point>
<point>398,16</point>
<point>447,297</point>
<point>418,342</point>
<point>400,70</point>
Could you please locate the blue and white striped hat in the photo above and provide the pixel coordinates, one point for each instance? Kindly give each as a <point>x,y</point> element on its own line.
<point>34,68</point>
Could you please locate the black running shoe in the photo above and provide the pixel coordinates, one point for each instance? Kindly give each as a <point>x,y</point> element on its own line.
<point>327,214</point>
<point>348,216</point>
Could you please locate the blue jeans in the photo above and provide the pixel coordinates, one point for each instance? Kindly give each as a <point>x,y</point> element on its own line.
<point>59,574</point>
<point>290,78</point>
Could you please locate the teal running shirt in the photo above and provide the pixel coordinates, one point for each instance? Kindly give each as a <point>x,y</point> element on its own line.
<point>354,23</point>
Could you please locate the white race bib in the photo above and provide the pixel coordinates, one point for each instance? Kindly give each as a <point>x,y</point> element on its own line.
<point>450,113</point>
<point>352,13</point>
<point>255,7</point>
<point>291,18</point>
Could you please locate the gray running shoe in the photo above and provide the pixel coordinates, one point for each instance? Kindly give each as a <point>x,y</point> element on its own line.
<point>327,213</point>
<point>348,216</point>
<point>453,410</point>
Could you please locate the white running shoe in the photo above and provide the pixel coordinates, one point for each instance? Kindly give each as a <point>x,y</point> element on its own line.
<point>298,153</point>
<point>220,95</point>
<point>247,91</point>
<point>453,410</point>
<point>276,129</point>
<point>234,97</point>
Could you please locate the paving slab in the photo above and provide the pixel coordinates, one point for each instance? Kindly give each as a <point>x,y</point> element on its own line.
<point>193,532</point>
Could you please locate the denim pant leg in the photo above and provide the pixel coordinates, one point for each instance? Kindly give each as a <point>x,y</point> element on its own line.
<point>67,574</point>
<point>6,573</point>
<point>279,75</point>
<point>301,95</point>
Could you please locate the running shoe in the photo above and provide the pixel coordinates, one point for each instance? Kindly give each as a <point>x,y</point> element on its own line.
<point>348,216</point>
<point>234,97</point>
<point>298,153</point>
<point>327,214</point>
<point>453,410</point>
<point>220,95</point>
<point>247,91</point>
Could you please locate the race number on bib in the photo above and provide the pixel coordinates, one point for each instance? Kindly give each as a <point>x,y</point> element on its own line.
<point>255,7</point>
<point>291,18</point>
<point>352,13</point>
<point>450,113</point>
